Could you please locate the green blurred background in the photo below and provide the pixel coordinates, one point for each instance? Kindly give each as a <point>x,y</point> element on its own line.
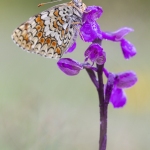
<point>43,109</point>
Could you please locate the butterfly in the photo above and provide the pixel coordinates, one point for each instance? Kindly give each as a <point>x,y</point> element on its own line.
<point>51,32</point>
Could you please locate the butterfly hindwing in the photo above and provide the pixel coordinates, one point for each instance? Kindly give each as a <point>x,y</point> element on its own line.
<point>49,33</point>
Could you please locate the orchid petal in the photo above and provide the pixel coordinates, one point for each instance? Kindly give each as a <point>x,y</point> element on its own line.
<point>69,66</point>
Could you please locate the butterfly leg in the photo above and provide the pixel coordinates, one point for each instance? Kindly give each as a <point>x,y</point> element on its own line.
<point>76,27</point>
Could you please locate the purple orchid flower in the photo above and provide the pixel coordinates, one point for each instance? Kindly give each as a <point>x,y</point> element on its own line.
<point>128,49</point>
<point>71,48</point>
<point>118,35</point>
<point>113,91</point>
<point>121,81</point>
<point>95,53</point>
<point>69,66</point>
<point>90,29</point>
<point>92,13</point>
<point>118,98</point>
<point>126,79</point>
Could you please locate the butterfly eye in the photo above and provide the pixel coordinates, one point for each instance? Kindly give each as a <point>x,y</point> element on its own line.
<point>79,4</point>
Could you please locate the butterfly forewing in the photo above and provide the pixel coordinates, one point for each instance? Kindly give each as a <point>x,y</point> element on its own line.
<point>49,33</point>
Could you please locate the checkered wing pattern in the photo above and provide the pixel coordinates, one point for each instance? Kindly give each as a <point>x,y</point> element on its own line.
<point>49,33</point>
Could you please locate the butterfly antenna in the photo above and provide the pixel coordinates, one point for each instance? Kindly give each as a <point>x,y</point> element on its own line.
<point>52,1</point>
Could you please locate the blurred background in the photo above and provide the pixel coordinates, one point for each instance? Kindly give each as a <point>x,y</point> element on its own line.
<point>43,109</point>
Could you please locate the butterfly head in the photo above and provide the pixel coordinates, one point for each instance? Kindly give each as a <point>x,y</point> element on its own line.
<point>79,4</point>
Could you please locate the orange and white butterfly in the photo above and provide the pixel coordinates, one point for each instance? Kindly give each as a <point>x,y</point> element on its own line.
<point>51,32</point>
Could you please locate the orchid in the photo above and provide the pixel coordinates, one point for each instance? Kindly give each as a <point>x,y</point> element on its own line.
<point>95,57</point>
<point>120,82</point>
